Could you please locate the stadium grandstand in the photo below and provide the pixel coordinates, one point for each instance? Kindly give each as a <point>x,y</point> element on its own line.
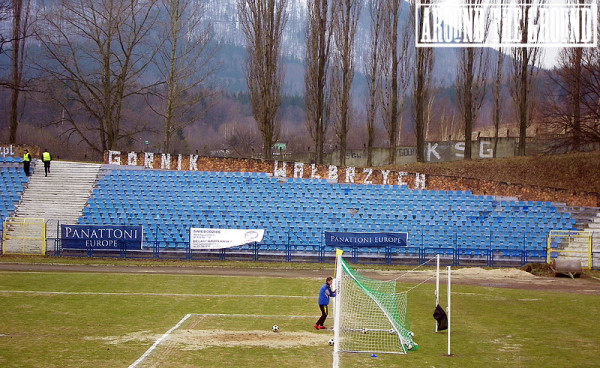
<point>463,228</point>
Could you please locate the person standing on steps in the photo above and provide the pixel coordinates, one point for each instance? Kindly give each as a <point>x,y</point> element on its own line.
<point>26,162</point>
<point>46,158</point>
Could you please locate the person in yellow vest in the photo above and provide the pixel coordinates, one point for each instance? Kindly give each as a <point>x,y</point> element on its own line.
<point>46,158</point>
<point>26,162</point>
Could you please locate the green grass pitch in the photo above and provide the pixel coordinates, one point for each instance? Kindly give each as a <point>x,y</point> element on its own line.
<point>112,320</point>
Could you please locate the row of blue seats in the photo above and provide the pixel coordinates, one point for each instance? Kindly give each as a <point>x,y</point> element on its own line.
<point>310,221</point>
<point>439,217</point>
<point>482,204</point>
<point>156,195</point>
<point>173,177</point>
<point>333,218</point>
<point>9,159</point>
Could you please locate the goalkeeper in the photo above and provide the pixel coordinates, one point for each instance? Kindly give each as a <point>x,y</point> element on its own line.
<point>324,294</point>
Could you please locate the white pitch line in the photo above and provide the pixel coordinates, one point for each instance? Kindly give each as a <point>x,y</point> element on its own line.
<point>252,315</point>
<point>164,336</point>
<point>151,294</point>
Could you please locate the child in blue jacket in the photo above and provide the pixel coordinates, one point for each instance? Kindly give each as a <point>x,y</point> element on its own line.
<point>324,294</point>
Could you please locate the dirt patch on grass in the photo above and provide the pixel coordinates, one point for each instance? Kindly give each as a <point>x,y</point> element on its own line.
<point>201,339</point>
<point>190,339</point>
<point>538,269</point>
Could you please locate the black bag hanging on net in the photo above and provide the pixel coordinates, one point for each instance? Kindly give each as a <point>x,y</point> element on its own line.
<point>442,319</point>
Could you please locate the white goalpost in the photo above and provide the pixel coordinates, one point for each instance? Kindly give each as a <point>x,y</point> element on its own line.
<point>437,296</point>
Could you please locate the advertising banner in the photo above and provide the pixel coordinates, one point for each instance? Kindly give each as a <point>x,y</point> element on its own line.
<point>202,238</point>
<point>343,239</point>
<point>107,237</point>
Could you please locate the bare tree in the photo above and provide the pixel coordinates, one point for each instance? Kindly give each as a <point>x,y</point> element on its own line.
<point>525,67</point>
<point>471,79</point>
<point>242,140</point>
<point>568,77</point>
<point>183,63</point>
<point>497,86</point>
<point>590,127</point>
<point>96,54</point>
<point>345,19</point>
<point>591,93</point>
<point>21,32</point>
<point>562,115</point>
<point>263,22</point>
<point>5,14</point>
<point>396,63</point>
<point>318,41</point>
<point>423,71</point>
<point>572,102</point>
<point>372,71</point>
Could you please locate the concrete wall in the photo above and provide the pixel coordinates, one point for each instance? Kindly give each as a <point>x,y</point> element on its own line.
<point>434,152</point>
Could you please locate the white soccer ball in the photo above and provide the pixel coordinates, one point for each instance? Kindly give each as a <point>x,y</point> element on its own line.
<point>275,328</point>
<point>364,330</point>
<point>330,342</point>
<point>412,334</point>
<point>392,331</point>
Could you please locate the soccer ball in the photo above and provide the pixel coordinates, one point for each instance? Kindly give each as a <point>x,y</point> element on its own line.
<point>330,342</point>
<point>364,330</point>
<point>275,328</point>
<point>392,331</point>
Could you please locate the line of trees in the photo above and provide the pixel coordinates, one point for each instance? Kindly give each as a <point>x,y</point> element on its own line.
<point>89,59</point>
<point>97,63</point>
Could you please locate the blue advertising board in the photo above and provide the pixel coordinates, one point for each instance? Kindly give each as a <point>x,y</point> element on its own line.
<point>98,237</point>
<point>344,239</point>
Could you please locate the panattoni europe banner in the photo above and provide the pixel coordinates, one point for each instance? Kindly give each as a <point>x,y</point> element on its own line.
<point>341,239</point>
<point>107,237</point>
<point>204,238</point>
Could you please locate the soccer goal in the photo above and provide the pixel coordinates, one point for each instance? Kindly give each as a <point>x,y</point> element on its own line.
<point>24,236</point>
<point>370,316</point>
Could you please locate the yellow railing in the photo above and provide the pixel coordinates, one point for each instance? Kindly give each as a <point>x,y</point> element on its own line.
<point>570,244</point>
<point>24,236</point>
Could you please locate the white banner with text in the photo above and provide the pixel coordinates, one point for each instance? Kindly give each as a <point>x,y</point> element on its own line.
<point>203,238</point>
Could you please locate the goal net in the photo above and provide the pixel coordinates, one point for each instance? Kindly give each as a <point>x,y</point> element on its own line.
<point>370,315</point>
<point>24,236</point>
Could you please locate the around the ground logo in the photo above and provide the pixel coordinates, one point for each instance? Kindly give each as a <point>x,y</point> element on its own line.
<point>483,23</point>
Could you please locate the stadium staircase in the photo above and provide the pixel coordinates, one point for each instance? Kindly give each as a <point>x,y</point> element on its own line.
<point>594,227</point>
<point>57,198</point>
<point>586,219</point>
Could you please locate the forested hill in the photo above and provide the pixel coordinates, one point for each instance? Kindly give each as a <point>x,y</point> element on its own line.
<point>222,15</point>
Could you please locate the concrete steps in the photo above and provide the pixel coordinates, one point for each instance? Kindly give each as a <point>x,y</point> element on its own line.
<point>594,228</point>
<point>588,220</point>
<point>58,198</point>
<point>583,215</point>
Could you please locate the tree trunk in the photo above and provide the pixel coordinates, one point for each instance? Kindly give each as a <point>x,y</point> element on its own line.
<point>17,37</point>
<point>468,102</point>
